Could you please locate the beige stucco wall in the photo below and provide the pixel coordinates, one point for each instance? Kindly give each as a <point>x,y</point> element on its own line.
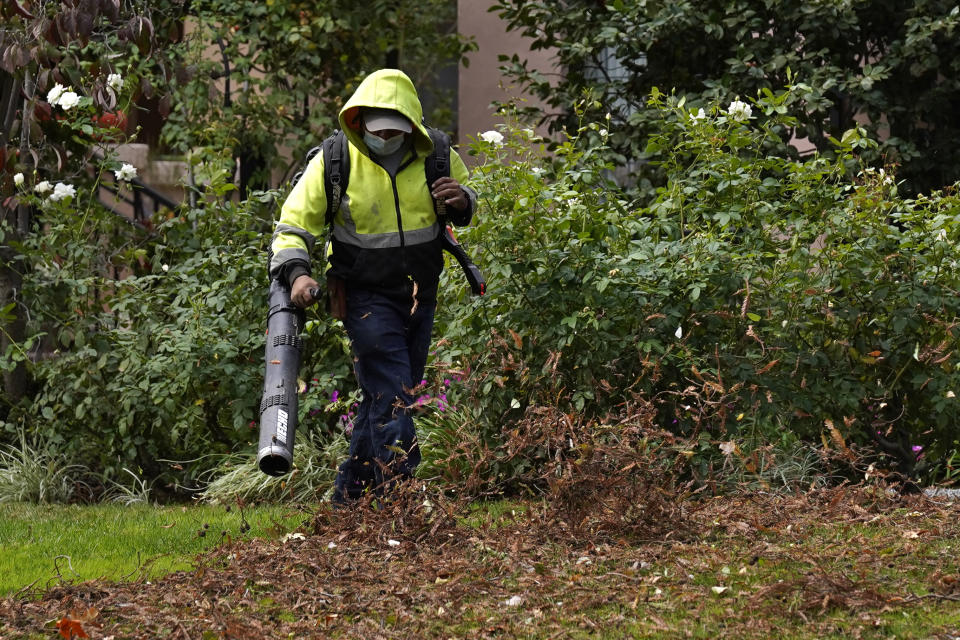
<point>481,83</point>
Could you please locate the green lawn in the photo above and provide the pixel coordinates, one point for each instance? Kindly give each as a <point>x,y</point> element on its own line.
<point>42,543</point>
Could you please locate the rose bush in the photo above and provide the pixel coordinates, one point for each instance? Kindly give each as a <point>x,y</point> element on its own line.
<point>755,298</point>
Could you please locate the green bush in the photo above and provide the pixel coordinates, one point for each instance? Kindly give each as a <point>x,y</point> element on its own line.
<point>752,298</point>
<point>751,295</point>
<point>165,365</point>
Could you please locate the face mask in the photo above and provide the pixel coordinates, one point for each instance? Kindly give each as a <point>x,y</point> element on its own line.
<point>380,147</point>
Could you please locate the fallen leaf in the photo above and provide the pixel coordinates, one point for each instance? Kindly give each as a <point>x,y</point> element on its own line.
<point>728,448</point>
<point>70,628</point>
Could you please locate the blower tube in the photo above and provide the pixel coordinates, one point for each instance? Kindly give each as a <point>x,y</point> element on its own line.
<point>278,406</point>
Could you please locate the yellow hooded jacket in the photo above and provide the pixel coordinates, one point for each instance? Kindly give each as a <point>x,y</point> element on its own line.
<point>385,234</point>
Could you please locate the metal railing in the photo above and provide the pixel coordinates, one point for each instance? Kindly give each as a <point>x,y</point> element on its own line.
<point>138,197</point>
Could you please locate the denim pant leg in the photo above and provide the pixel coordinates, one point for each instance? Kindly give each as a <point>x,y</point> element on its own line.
<point>355,474</point>
<point>390,349</point>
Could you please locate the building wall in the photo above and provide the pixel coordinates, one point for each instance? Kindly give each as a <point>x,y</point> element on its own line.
<point>481,83</point>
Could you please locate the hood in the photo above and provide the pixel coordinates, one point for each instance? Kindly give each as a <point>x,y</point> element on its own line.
<point>385,89</point>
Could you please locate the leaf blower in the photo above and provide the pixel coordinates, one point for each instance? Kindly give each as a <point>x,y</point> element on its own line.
<point>278,406</point>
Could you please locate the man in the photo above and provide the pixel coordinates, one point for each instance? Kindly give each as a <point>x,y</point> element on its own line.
<point>384,267</point>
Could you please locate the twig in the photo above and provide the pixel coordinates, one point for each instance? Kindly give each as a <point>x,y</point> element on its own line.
<point>936,596</point>
<point>621,575</point>
<point>138,567</point>
<point>69,564</point>
<point>26,588</point>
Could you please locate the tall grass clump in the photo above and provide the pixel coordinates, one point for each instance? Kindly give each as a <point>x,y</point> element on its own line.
<point>315,460</point>
<point>36,473</point>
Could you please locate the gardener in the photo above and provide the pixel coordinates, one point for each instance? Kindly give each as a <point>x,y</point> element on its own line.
<point>384,268</point>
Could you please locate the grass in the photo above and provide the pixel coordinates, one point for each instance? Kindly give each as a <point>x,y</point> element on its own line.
<point>35,473</point>
<point>43,544</point>
<point>315,461</point>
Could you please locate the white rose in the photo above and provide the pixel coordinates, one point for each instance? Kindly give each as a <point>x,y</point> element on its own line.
<point>68,100</point>
<point>699,115</point>
<point>43,187</point>
<point>53,96</point>
<point>114,81</point>
<point>126,172</point>
<point>493,137</point>
<point>739,111</point>
<point>18,179</point>
<point>62,191</point>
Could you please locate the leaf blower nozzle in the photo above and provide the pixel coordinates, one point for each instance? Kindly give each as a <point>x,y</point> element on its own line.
<point>278,406</point>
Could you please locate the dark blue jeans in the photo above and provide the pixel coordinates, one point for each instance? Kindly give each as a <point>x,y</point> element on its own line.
<point>390,346</point>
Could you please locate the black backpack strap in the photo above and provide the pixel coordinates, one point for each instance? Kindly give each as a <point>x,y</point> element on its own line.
<point>336,172</point>
<point>306,160</point>
<point>438,166</point>
<point>438,162</point>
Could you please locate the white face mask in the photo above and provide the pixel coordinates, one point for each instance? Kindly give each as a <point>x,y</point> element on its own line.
<point>380,147</point>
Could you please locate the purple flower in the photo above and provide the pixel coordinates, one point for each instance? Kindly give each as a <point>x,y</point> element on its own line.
<point>917,448</point>
<point>336,394</point>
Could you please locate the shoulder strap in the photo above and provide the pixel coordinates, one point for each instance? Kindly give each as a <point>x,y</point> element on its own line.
<point>336,171</point>
<point>438,162</point>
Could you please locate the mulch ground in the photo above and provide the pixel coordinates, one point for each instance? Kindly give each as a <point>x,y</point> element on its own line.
<point>833,562</point>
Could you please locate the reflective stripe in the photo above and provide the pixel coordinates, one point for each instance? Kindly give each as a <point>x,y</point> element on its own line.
<point>306,236</point>
<point>286,255</point>
<point>384,240</point>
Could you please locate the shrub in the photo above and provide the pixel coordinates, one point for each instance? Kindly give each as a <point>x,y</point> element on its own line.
<point>751,294</point>
<point>164,365</point>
